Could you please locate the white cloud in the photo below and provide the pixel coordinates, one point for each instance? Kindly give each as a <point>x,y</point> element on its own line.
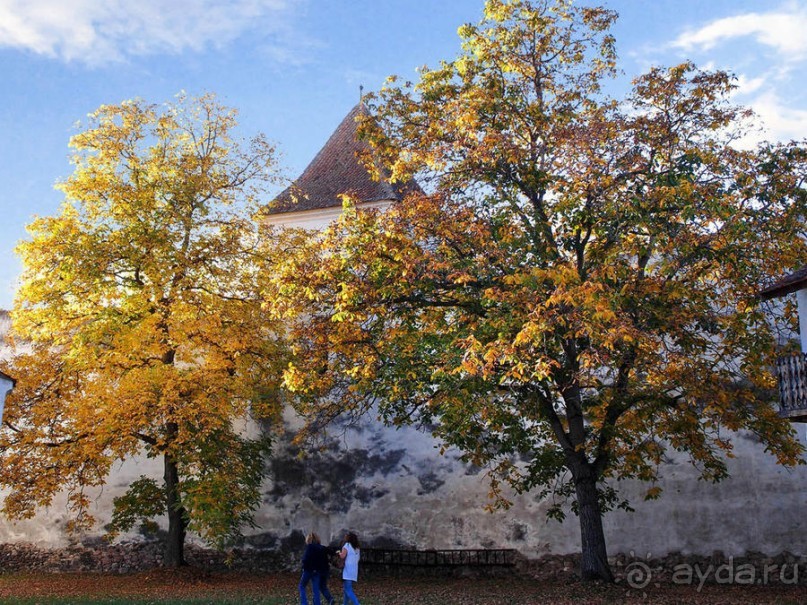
<point>770,82</point>
<point>781,122</point>
<point>773,121</point>
<point>102,31</point>
<point>782,30</point>
<point>746,85</point>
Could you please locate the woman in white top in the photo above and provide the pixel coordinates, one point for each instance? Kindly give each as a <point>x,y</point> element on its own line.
<point>350,554</point>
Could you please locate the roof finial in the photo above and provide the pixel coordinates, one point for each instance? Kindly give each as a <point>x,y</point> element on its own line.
<point>361,94</point>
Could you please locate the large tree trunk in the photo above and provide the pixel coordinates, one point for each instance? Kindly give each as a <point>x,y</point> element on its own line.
<point>594,562</point>
<point>175,543</point>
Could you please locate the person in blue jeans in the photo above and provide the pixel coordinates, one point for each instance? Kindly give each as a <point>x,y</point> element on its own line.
<point>325,570</point>
<point>315,560</point>
<point>350,554</point>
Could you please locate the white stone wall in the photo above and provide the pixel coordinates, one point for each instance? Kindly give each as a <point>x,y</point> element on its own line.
<point>394,488</point>
<point>316,220</point>
<point>405,493</point>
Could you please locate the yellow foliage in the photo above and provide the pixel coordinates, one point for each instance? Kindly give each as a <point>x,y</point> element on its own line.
<point>140,304</point>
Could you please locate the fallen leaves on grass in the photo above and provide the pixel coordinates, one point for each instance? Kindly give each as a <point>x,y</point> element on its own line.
<point>193,585</point>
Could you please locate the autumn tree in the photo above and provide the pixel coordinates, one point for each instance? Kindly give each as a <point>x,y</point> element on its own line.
<point>575,295</point>
<point>142,328</point>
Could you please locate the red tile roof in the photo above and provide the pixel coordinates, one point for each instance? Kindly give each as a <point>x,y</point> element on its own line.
<point>337,170</point>
<point>788,284</point>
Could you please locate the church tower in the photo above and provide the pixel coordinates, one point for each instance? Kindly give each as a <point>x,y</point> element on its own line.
<point>313,200</point>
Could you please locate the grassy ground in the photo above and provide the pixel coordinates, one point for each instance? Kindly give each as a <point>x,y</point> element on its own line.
<point>193,586</point>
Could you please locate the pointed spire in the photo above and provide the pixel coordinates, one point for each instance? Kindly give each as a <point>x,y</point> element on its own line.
<point>337,170</point>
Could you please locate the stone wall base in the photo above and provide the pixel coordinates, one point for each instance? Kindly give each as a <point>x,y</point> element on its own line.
<point>629,569</point>
<point>753,568</point>
<point>131,557</point>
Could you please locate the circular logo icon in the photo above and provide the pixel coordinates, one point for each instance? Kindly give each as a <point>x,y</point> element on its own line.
<point>638,575</point>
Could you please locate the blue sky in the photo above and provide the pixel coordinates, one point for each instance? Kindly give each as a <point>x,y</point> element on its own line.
<point>293,68</point>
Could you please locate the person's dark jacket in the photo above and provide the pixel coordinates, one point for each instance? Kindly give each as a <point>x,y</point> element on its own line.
<point>315,558</point>
<point>329,552</point>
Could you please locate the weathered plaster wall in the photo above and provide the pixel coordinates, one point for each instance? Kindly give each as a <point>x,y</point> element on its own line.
<point>395,489</point>
<point>760,508</point>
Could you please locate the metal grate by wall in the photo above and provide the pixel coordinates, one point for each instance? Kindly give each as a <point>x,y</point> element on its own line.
<point>438,558</point>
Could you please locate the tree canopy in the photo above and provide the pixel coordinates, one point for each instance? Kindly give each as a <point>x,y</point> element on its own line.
<point>140,329</point>
<point>575,294</point>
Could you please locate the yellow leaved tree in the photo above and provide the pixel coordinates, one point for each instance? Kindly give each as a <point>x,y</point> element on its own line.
<point>576,293</point>
<point>141,328</point>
